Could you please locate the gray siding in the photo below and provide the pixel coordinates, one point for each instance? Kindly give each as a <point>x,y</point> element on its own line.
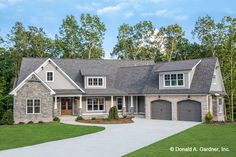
<point>60,81</point>
<point>219,85</point>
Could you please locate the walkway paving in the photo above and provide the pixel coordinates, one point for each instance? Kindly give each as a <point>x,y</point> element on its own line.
<point>116,140</point>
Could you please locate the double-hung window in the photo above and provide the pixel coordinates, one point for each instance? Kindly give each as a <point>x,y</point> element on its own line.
<point>49,76</point>
<point>174,80</point>
<point>33,106</point>
<point>96,104</point>
<point>95,82</point>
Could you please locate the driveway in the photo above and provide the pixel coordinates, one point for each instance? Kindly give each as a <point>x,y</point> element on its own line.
<point>115,140</point>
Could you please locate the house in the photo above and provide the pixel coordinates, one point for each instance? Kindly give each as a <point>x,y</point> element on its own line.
<point>178,90</point>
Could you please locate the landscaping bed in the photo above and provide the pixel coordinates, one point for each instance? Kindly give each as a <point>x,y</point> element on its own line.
<point>108,121</point>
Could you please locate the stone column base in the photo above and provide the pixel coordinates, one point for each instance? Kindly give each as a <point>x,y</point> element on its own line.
<point>80,111</point>
<point>124,110</point>
<point>131,110</point>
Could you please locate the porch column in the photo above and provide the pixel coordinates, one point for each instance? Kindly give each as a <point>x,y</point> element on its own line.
<point>136,105</point>
<point>124,105</point>
<point>80,105</point>
<point>55,113</point>
<point>112,103</point>
<point>132,105</point>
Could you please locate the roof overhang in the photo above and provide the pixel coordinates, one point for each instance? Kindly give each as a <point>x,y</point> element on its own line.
<point>14,91</point>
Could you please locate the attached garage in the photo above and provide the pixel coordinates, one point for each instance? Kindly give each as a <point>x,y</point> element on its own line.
<point>161,109</point>
<point>189,110</point>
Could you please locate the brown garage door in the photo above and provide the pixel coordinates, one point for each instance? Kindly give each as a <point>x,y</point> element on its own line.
<point>189,110</point>
<point>161,109</point>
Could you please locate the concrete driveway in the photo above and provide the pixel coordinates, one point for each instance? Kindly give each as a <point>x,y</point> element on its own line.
<point>115,140</point>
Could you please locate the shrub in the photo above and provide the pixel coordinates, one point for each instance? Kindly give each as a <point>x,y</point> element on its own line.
<point>21,123</point>
<point>208,117</point>
<point>40,122</point>
<point>56,119</point>
<point>30,122</point>
<point>7,117</point>
<point>124,116</point>
<point>79,118</point>
<point>113,113</point>
<point>93,118</point>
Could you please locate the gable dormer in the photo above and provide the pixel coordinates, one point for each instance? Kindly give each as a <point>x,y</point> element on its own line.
<point>94,78</point>
<point>177,75</point>
<point>217,80</point>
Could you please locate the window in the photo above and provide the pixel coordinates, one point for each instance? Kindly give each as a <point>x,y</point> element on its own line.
<point>173,80</point>
<point>214,77</point>
<point>95,82</point>
<point>95,104</point>
<point>49,76</point>
<point>33,106</point>
<point>119,103</point>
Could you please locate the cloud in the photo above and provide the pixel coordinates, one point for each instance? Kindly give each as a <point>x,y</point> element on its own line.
<point>83,8</point>
<point>112,9</point>
<point>5,3</point>
<point>164,13</point>
<point>129,14</point>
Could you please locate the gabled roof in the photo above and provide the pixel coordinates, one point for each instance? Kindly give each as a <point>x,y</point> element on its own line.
<point>183,65</point>
<point>128,77</point>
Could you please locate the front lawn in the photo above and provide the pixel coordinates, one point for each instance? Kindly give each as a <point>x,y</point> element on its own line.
<point>206,140</point>
<point>13,136</point>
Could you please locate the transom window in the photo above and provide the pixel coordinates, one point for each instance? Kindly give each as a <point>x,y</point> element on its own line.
<point>174,80</point>
<point>95,82</point>
<point>49,76</point>
<point>33,106</point>
<point>95,104</point>
<point>119,103</point>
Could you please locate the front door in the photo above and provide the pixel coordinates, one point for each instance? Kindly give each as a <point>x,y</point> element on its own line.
<point>66,105</point>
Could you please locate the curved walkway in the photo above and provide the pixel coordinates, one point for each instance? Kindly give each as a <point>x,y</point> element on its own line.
<point>116,140</point>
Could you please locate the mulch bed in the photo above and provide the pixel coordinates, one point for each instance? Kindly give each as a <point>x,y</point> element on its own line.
<point>107,121</point>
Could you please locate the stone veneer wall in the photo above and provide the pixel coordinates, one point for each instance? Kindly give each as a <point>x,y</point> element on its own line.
<point>174,99</point>
<point>33,89</point>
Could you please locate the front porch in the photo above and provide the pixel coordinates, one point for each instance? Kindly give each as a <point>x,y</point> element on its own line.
<point>98,106</point>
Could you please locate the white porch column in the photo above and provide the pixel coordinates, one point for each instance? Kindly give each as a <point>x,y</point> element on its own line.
<point>136,105</point>
<point>132,104</point>
<point>112,103</point>
<point>55,103</point>
<point>124,105</point>
<point>80,105</point>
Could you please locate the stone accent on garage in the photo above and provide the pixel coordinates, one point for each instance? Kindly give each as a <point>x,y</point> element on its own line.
<point>174,99</point>
<point>32,89</point>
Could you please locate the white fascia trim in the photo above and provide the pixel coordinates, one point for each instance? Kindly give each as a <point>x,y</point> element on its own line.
<point>196,64</point>
<point>13,92</point>
<point>50,60</point>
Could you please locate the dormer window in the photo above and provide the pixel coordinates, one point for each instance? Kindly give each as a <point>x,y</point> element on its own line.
<point>49,76</point>
<point>174,80</point>
<point>214,77</point>
<point>95,82</point>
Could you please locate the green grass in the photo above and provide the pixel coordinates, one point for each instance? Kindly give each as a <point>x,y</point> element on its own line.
<point>13,136</point>
<point>204,135</point>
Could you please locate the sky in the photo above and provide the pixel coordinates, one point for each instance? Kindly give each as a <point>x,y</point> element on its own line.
<point>49,14</point>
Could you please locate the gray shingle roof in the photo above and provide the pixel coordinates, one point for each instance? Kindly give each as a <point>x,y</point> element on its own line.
<point>123,76</point>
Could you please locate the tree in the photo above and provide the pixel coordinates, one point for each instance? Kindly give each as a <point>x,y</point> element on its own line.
<point>92,33</point>
<point>68,43</point>
<point>172,35</point>
<point>137,42</point>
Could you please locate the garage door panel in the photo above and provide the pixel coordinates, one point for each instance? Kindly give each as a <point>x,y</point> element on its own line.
<point>189,110</point>
<point>161,110</point>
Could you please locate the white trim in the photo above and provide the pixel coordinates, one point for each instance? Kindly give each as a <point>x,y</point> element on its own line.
<point>95,111</point>
<point>47,76</point>
<point>13,92</point>
<point>112,101</point>
<point>67,95</point>
<point>88,114</point>
<point>55,103</point>
<point>131,101</point>
<point>97,86</point>
<point>175,73</point>
<point>50,60</point>
<point>117,103</point>
<point>33,105</point>
<point>124,103</point>
<point>80,102</point>
<point>196,64</point>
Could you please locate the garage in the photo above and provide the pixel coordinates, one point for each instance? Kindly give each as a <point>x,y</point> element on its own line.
<point>161,109</point>
<point>189,110</point>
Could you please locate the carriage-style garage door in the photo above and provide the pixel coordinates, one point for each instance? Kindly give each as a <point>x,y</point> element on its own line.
<point>189,110</point>
<point>161,109</point>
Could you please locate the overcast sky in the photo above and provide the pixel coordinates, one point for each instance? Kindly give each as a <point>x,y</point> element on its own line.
<point>49,13</point>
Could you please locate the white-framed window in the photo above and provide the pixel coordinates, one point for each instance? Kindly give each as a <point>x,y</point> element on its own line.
<point>174,80</point>
<point>96,104</point>
<point>119,101</point>
<point>96,82</point>
<point>49,76</point>
<point>220,105</point>
<point>214,77</point>
<point>33,106</point>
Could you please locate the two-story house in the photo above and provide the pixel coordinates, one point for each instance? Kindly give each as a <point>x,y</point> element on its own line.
<point>178,90</point>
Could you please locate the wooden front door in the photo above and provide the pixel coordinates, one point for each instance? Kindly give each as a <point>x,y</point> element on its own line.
<point>66,105</point>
